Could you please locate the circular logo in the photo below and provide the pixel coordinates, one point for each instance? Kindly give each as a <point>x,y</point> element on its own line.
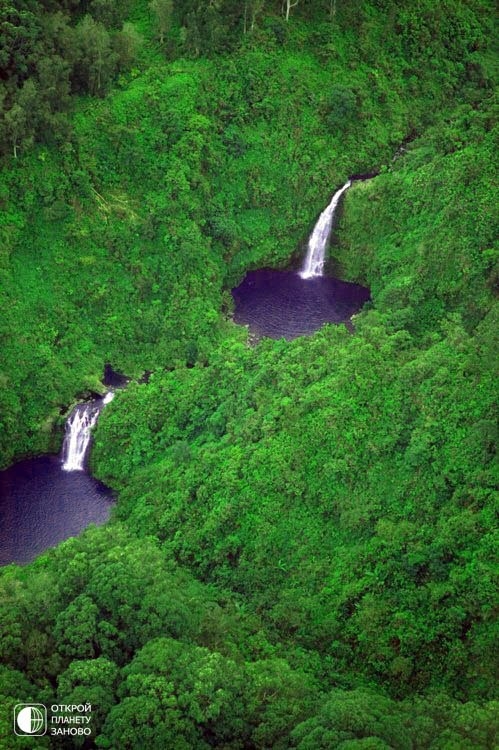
<point>31,719</point>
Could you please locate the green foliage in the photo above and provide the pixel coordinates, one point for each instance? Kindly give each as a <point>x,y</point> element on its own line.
<point>294,429</point>
<point>301,555</point>
<point>363,719</point>
<point>48,53</point>
<point>171,187</point>
<point>91,681</point>
<point>342,108</point>
<point>162,11</point>
<point>371,719</point>
<point>214,701</point>
<point>420,234</point>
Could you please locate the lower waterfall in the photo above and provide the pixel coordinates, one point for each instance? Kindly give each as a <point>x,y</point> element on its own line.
<point>79,431</point>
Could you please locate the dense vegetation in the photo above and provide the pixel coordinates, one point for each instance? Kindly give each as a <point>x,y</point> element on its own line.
<point>302,550</point>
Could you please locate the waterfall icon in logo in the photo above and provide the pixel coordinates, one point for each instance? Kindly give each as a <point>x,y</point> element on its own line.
<point>30,719</point>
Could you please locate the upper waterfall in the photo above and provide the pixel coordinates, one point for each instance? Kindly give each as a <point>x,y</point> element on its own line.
<point>78,432</point>
<point>317,244</point>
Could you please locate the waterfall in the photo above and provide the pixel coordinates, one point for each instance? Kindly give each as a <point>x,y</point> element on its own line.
<point>317,244</point>
<point>79,431</point>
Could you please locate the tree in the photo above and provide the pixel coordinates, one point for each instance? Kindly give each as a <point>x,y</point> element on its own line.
<point>109,13</point>
<point>354,715</point>
<point>21,119</point>
<point>96,60</point>
<point>162,9</point>
<point>288,5</point>
<point>149,719</point>
<point>178,695</point>
<point>76,627</point>
<point>126,44</point>
<point>279,698</point>
<point>15,124</point>
<point>252,8</point>
<point>93,681</point>
<point>19,37</point>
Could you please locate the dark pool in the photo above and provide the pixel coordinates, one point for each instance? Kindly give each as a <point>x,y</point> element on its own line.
<point>280,304</point>
<point>41,505</point>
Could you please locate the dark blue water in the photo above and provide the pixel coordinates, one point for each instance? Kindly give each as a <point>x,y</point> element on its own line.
<point>280,304</point>
<point>114,379</point>
<point>41,505</point>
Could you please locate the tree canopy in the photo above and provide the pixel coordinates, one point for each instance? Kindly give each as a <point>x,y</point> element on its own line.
<point>302,550</point>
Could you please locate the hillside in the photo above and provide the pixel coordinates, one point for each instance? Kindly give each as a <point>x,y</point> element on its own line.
<point>302,551</point>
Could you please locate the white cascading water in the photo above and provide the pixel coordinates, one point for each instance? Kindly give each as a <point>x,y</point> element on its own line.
<point>317,244</point>
<point>79,431</point>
